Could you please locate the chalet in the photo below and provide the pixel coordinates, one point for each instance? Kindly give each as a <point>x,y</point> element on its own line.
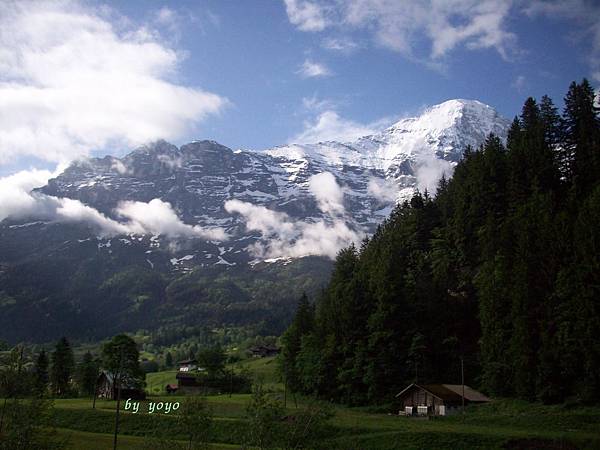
<point>188,365</point>
<point>437,399</point>
<point>263,351</point>
<point>130,388</point>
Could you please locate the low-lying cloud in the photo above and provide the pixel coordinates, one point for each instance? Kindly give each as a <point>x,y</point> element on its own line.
<point>430,171</point>
<point>17,201</point>
<point>284,237</point>
<point>383,190</point>
<point>329,194</point>
<point>159,217</point>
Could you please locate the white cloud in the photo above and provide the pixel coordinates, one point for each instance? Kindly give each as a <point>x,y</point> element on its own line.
<point>118,166</point>
<point>316,104</point>
<point>158,217</point>
<point>383,190</point>
<point>586,14</point>
<point>519,83</point>
<point>399,24</point>
<point>329,194</point>
<point>430,171</point>
<point>73,79</point>
<point>329,126</point>
<point>155,217</point>
<point>171,162</point>
<point>306,15</point>
<point>69,210</point>
<point>342,45</point>
<point>15,200</point>
<point>283,237</point>
<point>311,69</point>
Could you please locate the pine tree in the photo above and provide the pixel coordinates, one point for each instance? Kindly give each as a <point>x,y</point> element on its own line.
<point>87,374</point>
<point>168,360</point>
<point>40,372</point>
<point>551,121</point>
<point>582,136</point>
<point>302,325</point>
<point>62,367</point>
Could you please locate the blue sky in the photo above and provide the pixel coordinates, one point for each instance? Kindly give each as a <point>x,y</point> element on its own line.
<point>102,77</point>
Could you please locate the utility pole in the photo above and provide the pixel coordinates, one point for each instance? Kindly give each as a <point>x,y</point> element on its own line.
<point>95,392</point>
<point>462,376</point>
<point>117,379</point>
<point>285,392</point>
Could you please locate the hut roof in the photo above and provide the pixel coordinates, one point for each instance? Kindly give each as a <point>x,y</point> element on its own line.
<point>448,392</point>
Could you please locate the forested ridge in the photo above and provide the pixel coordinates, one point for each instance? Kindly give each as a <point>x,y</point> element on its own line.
<point>501,269</point>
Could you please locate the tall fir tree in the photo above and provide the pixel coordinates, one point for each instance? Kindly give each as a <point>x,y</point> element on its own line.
<point>582,136</point>
<point>87,374</point>
<point>40,372</point>
<point>62,367</point>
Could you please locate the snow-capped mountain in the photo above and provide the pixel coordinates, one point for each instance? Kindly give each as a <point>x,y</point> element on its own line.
<point>190,234</point>
<point>199,179</point>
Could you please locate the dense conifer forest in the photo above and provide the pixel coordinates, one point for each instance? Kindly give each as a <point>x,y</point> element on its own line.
<point>501,269</point>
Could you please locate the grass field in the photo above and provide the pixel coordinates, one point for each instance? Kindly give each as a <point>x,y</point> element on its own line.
<point>262,369</point>
<point>506,424</point>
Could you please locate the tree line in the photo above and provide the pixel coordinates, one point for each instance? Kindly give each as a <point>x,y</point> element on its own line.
<point>501,270</point>
<point>58,374</point>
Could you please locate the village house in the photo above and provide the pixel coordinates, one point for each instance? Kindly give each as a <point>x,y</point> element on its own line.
<point>437,399</point>
<point>107,388</point>
<point>263,351</point>
<point>188,365</point>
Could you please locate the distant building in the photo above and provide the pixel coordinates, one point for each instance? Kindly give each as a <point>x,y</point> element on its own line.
<point>171,388</point>
<point>107,388</point>
<point>437,399</point>
<point>262,351</point>
<point>188,365</point>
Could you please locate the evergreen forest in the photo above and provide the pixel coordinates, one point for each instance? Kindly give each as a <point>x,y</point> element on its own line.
<point>499,271</point>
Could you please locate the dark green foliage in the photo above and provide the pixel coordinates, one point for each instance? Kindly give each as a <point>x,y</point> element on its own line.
<point>168,360</point>
<point>582,136</point>
<point>263,415</point>
<point>96,295</point>
<point>62,367</point>
<point>302,324</point>
<point>40,373</point>
<point>196,420</point>
<point>120,357</point>
<point>500,270</point>
<point>87,374</point>
<point>212,359</point>
<point>25,426</point>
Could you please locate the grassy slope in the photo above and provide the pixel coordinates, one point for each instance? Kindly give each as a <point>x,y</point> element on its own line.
<point>156,382</point>
<point>504,422</point>
<point>263,369</point>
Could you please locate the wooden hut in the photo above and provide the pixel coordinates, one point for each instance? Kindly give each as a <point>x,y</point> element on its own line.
<point>437,399</point>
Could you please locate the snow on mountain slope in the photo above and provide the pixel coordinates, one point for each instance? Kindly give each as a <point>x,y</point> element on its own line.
<point>269,202</point>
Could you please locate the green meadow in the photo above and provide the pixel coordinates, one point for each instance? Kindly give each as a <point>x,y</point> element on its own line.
<point>500,424</point>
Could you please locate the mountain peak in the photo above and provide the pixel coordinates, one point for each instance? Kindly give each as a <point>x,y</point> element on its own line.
<point>445,115</point>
